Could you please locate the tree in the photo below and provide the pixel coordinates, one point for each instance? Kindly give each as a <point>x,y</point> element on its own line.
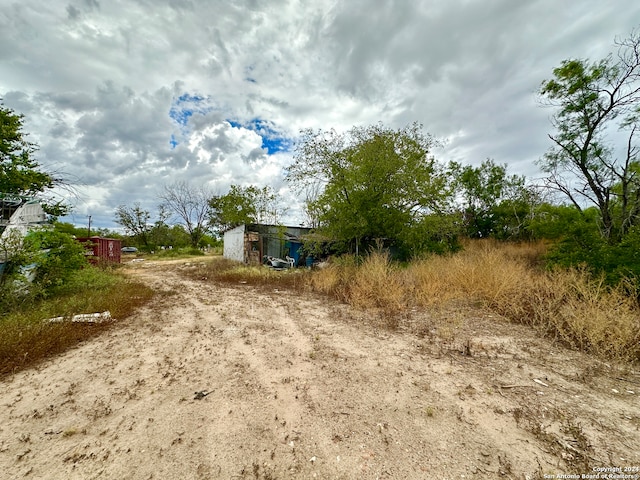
<point>268,207</point>
<point>592,99</point>
<point>191,205</point>
<point>244,205</point>
<point>163,235</point>
<point>237,207</point>
<point>20,174</point>
<point>377,183</point>
<point>311,208</point>
<point>48,255</point>
<point>494,203</point>
<point>135,221</point>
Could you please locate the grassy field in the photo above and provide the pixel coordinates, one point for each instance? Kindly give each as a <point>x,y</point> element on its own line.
<point>26,338</point>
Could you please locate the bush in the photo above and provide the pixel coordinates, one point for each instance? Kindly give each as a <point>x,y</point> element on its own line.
<point>56,257</point>
<point>37,264</point>
<point>568,304</point>
<point>179,252</point>
<point>618,262</point>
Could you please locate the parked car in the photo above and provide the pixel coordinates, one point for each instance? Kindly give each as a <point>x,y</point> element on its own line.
<point>129,249</point>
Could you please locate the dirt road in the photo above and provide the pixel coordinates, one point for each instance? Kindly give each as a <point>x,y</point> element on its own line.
<point>216,382</point>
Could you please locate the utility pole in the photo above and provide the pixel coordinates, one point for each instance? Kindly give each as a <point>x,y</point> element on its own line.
<point>89,229</point>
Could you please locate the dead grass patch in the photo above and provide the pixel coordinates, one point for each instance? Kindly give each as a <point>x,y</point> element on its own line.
<point>234,273</point>
<point>570,306</point>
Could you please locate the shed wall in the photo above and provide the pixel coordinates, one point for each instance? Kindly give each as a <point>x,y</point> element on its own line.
<point>234,244</point>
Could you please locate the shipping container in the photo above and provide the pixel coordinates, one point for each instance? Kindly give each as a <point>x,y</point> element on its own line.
<point>100,249</point>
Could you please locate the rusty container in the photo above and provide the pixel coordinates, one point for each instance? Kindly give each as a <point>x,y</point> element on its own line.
<point>101,249</point>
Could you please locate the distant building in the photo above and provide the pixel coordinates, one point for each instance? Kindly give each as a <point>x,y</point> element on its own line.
<point>251,243</point>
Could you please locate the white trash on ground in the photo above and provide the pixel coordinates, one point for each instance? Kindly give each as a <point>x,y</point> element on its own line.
<point>84,318</point>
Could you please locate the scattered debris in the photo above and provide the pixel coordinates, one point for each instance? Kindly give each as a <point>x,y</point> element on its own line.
<point>540,382</point>
<point>201,394</point>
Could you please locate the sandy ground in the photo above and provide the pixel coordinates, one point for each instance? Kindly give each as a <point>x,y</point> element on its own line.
<point>218,382</point>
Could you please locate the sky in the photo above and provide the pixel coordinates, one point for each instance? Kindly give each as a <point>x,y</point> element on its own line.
<point>124,98</point>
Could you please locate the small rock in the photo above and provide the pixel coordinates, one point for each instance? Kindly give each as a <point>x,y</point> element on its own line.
<point>312,459</point>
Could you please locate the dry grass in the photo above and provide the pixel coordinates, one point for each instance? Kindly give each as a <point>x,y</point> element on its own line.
<point>234,273</point>
<point>25,338</point>
<point>569,305</point>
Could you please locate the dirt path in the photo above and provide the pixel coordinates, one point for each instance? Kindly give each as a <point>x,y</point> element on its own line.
<point>303,388</point>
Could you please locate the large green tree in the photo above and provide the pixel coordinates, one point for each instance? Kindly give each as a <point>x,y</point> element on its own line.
<point>136,222</point>
<point>377,182</point>
<point>20,173</point>
<point>596,104</point>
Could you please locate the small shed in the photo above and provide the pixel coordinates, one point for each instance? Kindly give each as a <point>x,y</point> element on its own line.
<point>101,249</point>
<point>250,243</point>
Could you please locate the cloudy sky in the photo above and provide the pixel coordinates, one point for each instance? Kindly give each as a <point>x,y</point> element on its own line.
<point>126,96</point>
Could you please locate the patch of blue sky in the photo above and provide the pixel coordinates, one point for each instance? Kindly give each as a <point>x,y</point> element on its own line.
<point>182,109</point>
<point>272,139</point>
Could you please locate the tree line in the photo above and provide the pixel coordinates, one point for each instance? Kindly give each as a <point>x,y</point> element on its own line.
<point>375,184</point>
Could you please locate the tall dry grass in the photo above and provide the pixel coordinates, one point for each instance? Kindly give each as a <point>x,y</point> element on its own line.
<point>568,305</point>
<point>235,273</point>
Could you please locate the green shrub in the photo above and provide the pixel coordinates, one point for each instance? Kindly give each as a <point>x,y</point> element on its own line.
<point>179,252</point>
<point>36,265</point>
<point>585,248</point>
<point>56,257</point>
